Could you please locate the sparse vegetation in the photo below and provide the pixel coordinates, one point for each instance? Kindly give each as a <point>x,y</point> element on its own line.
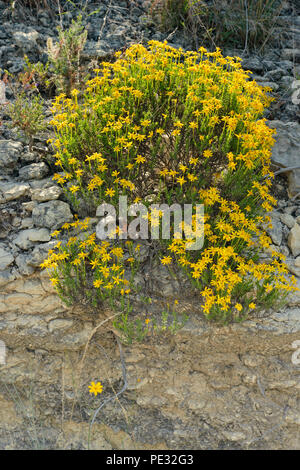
<point>230,22</point>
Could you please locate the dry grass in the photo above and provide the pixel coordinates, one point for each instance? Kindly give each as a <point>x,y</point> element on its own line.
<point>242,23</point>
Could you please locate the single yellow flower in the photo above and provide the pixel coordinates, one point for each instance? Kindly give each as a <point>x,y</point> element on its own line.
<point>95,388</point>
<point>238,307</point>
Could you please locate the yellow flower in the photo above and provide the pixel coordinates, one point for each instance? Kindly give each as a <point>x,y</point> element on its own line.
<point>55,233</point>
<point>140,159</point>
<point>147,321</point>
<point>76,262</point>
<point>207,153</point>
<point>181,180</point>
<point>74,92</point>
<point>98,283</point>
<point>110,192</point>
<point>193,125</point>
<point>74,189</point>
<point>238,307</point>
<point>95,388</point>
<point>94,263</point>
<point>118,252</point>
<point>166,260</point>
<point>252,305</point>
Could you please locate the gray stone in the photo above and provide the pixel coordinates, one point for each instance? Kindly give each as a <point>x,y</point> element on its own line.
<point>39,253</point>
<point>47,194</point>
<point>26,41</point>
<point>272,85</point>
<point>39,235</point>
<point>6,258</point>
<point>7,276</point>
<point>294,240</point>
<point>11,191</point>
<point>254,64</point>
<point>294,182</point>
<point>275,74</point>
<point>276,231</point>
<point>59,324</point>
<point>51,214</point>
<point>27,223</point>
<point>33,171</point>
<point>9,155</point>
<point>42,184</point>
<point>287,220</point>
<point>28,157</point>
<point>234,435</point>
<point>286,149</point>
<point>22,261</point>
<point>290,209</point>
<point>29,206</point>
<point>25,238</point>
<point>292,267</point>
<point>291,54</point>
<point>99,49</point>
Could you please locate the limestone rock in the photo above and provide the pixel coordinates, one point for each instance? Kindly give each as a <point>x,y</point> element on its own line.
<point>51,214</point>
<point>26,237</point>
<point>47,194</point>
<point>12,191</point>
<point>6,258</point>
<point>294,240</point>
<point>26,41</point>
<point>287,220</point>
<point>22,261</point>
<point>294,182</point>
<point>39,253</point>
<point>33,171</point>
<point>291,54</point>
<point>286,149</point>
<point>276,231</point>
<point>59,324</point>
<point>9,155</point>
<point>6,276</point>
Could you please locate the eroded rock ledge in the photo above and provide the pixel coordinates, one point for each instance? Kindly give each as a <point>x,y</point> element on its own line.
<point>206,387</point>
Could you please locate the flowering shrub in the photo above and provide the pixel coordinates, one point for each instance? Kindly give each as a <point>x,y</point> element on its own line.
<point>161,126</point>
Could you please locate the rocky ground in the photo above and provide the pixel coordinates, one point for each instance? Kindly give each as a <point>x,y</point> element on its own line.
<point>208,387</point>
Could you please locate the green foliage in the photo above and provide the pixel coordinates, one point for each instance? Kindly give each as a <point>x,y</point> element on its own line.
<point>137,329</point>
<point>27,114</point>
<point>170,14</point>
<point>63,71</point>
<point>64,57</point>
